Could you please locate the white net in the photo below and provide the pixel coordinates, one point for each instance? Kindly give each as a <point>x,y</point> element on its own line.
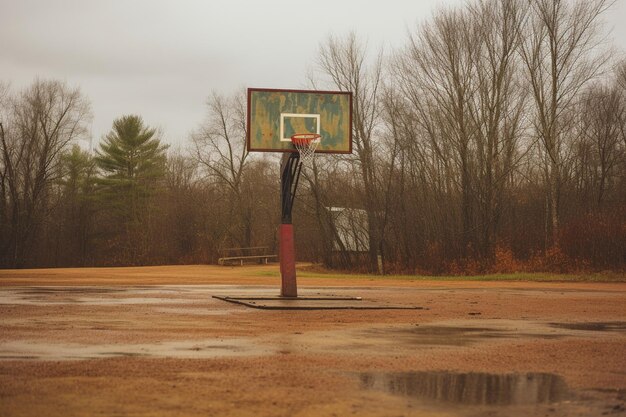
<point>306,145</point>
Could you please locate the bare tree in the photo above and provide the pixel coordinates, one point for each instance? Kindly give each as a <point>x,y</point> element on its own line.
<point>323,175</point>
<point>621,74</point>
<point>345,62</point>
<point>496,110</point>
<point>602,114</point>
<point>5,202</point>
<point>561,55</point>
<point>621,83</point>
<point>460,78</point>
<point>220,148</point>
<point>41,122</point>
<point>436,75</point>
<point>76,207</point>
<point>184,202</point>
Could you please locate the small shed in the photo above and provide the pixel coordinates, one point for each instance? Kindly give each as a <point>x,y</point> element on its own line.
<point>352,229</point>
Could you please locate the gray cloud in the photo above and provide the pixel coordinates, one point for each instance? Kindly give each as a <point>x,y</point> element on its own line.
<point>161,59</point>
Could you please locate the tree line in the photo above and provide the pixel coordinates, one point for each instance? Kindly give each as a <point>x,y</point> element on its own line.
<point>494,140</point>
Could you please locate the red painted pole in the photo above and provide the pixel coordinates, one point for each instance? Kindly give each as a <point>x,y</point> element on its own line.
<point>287,254</point>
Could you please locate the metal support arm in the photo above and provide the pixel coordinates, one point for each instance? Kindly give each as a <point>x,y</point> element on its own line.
<point>290,174</point>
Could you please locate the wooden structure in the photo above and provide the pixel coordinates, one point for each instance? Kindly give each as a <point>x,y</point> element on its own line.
<point>239,256</point>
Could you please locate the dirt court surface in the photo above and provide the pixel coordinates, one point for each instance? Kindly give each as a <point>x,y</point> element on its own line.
<point>154,342</point>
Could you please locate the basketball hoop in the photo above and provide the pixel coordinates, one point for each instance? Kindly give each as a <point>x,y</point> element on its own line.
<point>306,143</point>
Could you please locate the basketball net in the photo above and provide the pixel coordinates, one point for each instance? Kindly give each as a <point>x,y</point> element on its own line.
<point>306,143</point>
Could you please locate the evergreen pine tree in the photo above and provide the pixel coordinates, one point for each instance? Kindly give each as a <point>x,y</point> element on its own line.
<point>132,162</point>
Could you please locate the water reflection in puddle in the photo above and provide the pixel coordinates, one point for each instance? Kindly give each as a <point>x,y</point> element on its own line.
<point>609,326</point>
<point>471,388</point>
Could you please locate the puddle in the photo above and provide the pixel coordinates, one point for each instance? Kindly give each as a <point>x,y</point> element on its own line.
<point>69,290</point>
<point>464,333</point>
<point>471,388</point>
<point>134,301</point>
<point>439,335</point>
<point>609,326</point>
<point>197,311</point>
<point>91,295</point>
<point>452,334</point>
<point>192,349</point>
<point>457,335</point>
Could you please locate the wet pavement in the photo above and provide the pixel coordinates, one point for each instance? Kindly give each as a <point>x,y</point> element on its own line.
<point>124,323</point>
<point>198,301</point>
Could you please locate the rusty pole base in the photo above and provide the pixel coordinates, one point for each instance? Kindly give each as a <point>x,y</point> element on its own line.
<point>287,254</point>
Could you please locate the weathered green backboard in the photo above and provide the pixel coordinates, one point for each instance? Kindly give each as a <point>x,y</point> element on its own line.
<point>275,115</point>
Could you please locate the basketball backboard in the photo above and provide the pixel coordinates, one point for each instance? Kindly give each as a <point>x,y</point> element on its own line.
<point>276,115</point>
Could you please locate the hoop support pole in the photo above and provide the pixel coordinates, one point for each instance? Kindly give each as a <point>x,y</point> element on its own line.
<point>290,174</point>
<point>287,254</point>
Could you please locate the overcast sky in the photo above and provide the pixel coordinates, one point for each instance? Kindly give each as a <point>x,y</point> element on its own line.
<point>161,59</point>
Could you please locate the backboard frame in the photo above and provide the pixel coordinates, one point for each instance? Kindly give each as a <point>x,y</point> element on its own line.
<point>281,134</point>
